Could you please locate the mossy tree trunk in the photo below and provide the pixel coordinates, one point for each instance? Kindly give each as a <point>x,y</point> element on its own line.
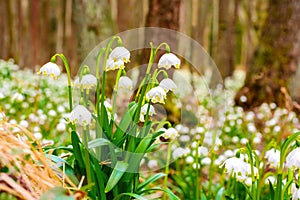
<point>276,57</point>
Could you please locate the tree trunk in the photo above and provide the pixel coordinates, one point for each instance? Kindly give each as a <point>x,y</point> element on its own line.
<point>276,57</point>
<point>224,55</point>
<point>164,14</point>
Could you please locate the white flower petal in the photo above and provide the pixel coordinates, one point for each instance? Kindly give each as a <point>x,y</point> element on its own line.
<point>120,53</point>
<point>156,94</point>
<point>167,60</point>
<point>50,69</point>
<point>80,115</point>
<point>125,83</point>
<point>168,84</point>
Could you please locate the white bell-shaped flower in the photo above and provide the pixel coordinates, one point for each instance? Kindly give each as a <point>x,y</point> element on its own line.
<point>156,94</point>
<point>168,84</point>
<point>168,60</point>
<point>144,111</point>
<point>237,167</point>
<point>125,83</point>
<point>273,157</point>
<point>120,53</point>
<point>50,69</point>
<point>80,115</point>
<point>295,192</point>
<point>293,159</point>
<point>88,81</point>
<point>113,65</point>
<point>170,133</point>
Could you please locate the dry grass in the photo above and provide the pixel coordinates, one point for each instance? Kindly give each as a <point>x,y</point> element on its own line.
<point>25,172</point>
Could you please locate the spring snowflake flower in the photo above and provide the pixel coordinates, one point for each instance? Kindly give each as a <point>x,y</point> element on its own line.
<point>144,111</point>
<point>237,167</point>
<point>80,115</point>
<point>125,83</point>
<point>50,69</point>
<point>120,53</point>
<point>168,60</point>
<point>170,133</point>
<point>295,192</point>
<point>168,84</point>
<point>112,65</point>
<point>273,157</point>
<point>156,94</point>
<point>87,81</point>
<point>117,58</point>
<point>293,159</point>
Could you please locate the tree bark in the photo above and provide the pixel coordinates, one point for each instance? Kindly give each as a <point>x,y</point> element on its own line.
<point>276,57</point>
<point>164,14</point>
<point>226,41</point>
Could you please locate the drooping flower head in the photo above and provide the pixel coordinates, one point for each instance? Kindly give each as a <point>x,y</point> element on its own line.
<point>144,111</point>
<point>293,159</point>
<point>168,60</point>
<point>88,81</point>
<point>168,84</point>
<point>237,167</point>
<point>112,65</point>
<point>156,94</point>
<point>120,53</point>
<point>80,115</point>
<point>117,58</point>
<point>125,83</point>
<point>50,69</point>
<point>295,192</point>
<point>273,157</point>
<point>170,133</point>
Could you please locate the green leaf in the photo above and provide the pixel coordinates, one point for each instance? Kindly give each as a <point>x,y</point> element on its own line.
<point>124,123</point>
<point>150,180</point>
<point>203,197</point>
<point>68,169</point>
<point>98,142</point>
<point>220,193</point>
<point>100,178</point>
<point>171,195</point>
<point>115,176</point>
<point>136,196</point>
<point>77,151</point>
<point>144,144</point>
<point>272,191</point>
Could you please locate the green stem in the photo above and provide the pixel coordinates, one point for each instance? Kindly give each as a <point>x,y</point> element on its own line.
<point>86,153</point>
<point>115,93</point>
<point>278,187</point>
<point>67,67</point>
<point>167,170</point>
<point>197,171</point>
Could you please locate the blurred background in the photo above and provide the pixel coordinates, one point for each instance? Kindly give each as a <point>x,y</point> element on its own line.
<point>257,36</point>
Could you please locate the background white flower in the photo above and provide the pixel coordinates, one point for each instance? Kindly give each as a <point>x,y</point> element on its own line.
<point>168,60</point>
<point>88,81</point>
<point>125,83</point>
<point>80,115</point>
<point>50,69</point>
<point>168,84</point>
<point>293,159</point>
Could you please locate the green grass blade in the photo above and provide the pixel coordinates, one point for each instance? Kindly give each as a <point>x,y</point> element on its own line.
<point>150,180</point>
<point>115,176</point>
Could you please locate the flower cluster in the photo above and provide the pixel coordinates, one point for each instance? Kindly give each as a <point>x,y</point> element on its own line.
<point>117,58</point>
